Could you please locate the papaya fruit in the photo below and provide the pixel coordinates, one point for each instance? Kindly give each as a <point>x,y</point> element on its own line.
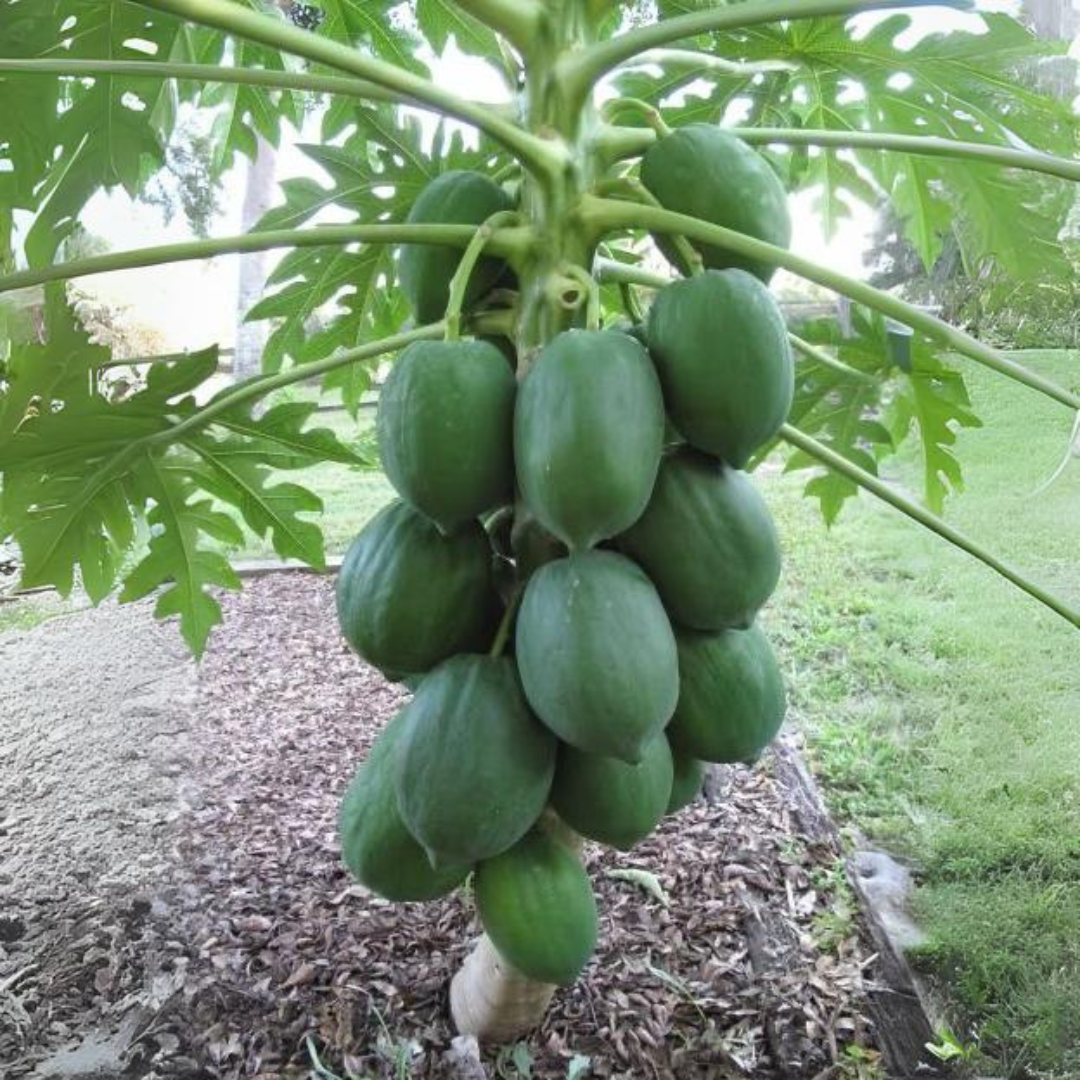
<point>688,779</point>
<point>707,173</point>
<point>721,348</point>
<point>731,700</point>
<point>608,800</point>
<point>474,765</point>
<point>588,431</point>
<point>537,906</point>
<point>456,197</point>
<point>597,654</point>
<point>375,845</point>
<point>707,541</point>
<point>445,426</point>
<point>409,597</point>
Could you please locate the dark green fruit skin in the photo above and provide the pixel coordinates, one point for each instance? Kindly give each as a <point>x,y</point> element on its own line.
<point>597,654</point>
<point>446,429</point>
<point>721,348</point>
<point>457,197</point>
<point>608,800</point>
<point>474,765</point>
<point>708,542</point>
<point>689,777</point>
<point>732,700</point>
<point>408,597</point>
<point>706,173</point>
<point>588,431</point>
<point>375,845</point>
<point>538,908</point>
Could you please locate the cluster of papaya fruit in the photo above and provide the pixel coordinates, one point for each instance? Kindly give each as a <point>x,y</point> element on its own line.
<point>605,494</point>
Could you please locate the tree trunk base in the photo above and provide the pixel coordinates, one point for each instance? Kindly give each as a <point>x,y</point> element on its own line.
<point>492,1001</point>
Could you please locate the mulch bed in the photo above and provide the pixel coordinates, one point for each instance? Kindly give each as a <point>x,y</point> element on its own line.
<point>259,951</point>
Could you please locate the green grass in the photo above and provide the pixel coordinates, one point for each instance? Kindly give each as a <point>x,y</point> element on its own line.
<point>941,706</point>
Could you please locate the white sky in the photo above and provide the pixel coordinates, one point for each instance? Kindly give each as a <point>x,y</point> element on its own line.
<point>193,304</point>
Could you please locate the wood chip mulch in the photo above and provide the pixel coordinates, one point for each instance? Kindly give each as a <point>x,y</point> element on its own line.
<point>277,954</point>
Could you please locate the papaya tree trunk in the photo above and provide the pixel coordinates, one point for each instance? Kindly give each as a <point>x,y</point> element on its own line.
<point>488,997</point>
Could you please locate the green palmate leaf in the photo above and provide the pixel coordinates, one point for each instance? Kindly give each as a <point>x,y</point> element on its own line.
<point>81,472</point>
<point>375,24</point>
<point>867,419</point>
<point>964,85</point>
<point>333,298</point>
<point>439,19</point>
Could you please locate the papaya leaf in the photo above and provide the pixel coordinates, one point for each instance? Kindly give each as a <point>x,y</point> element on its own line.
<point>439,19</point>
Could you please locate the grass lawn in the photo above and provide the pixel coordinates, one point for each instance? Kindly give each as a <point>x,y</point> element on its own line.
<point>941,706</point>
<point>942,710</point>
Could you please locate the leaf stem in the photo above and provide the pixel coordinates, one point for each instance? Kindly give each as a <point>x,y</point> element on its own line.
<point>592,292</point>
<point>539,154</point>
<point>701,63</point>
<point>580,71</point>
<point>839,464</point>
<point>618,143</point>
<point>502,635</point>
<point>459,283</point>
<point>516,20</point>
<point>507,243</point>
<point>820,356</point>
<point>608,214</point>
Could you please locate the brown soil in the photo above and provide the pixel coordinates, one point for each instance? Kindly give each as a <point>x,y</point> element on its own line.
<point>217,934</point>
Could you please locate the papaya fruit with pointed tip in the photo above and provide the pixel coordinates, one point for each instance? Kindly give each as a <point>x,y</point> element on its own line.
<point>721,349</point>
<point>687,780</point>
<point>445,426</point>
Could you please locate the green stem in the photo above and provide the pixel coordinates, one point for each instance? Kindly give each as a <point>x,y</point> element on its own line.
<point>506,244</point>
<point>701,63</point>
<point>459,283</point>
<point>516,20</point>
<point>639,193</point>
<point>502,635</point>
<point>820,356</point>
<point>601,215</point>
<point>592,292</point>
<point>581,71</point>
<point>913,510</point>
<point>618,143</point>
<point>650,113</point>
<point>538,154</point>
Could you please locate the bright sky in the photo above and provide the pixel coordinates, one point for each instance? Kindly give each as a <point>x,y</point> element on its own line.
<point>167,297</point>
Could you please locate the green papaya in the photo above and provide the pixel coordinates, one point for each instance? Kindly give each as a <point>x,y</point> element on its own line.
<point>446,424</point>
<point>537,906</point>
<point>608,800</point>
<point>721,348</point>
<point>707,541</point>
<point>707,173</point>
<point>375,845</point>
<point>731,701</point>
<point>688,779</point>
<point>457,197</point>
<point>474,765</point>
<point>408,597</point>
<point>597,654</point>
<point>588,431</point>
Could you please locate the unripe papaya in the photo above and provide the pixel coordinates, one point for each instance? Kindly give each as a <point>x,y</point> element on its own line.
<point>687,781</point>
<point>457,197</point>
<point>731,698</point>
<point>446,429</point>
<point>474,765</point>
<point>597,654</point>
<point>721,349</point>
<point>375,845</point>
<point>408,597</point>
<point>707,173</point>
<point>538,908</point>
<point>588,431</point>
<point>707,541</point>
<point>608,800</point>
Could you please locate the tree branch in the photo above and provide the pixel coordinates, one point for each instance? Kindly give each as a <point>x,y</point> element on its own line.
<point>603,215</point>
<point>538,154</point>
<point>582,70</point>
<point>504,242</point>
<point>618,143</point>
<point>913,510</point>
